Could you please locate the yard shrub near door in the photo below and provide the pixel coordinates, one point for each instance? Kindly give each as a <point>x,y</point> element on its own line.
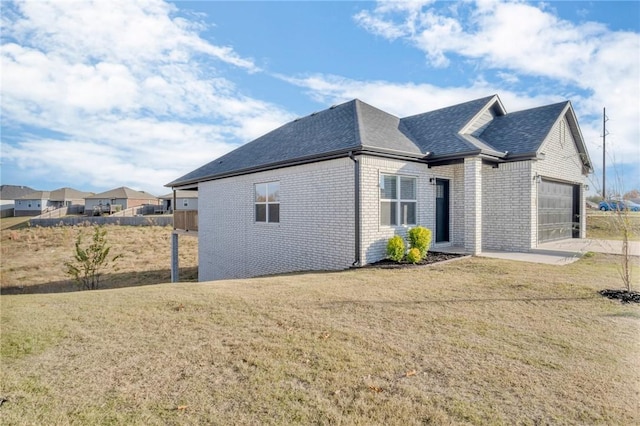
<point>396,248</point>
<point>420,238</point>
<point>414,255</point>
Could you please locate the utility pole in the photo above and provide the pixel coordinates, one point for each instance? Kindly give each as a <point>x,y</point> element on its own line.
<point>604,149</point>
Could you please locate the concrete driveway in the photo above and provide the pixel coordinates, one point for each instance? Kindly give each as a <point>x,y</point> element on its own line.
<point>565,251</point>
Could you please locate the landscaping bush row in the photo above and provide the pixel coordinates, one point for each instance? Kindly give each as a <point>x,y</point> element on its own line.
<point>419,239</point>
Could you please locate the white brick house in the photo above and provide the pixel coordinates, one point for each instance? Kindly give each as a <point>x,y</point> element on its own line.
<point>327,191</point>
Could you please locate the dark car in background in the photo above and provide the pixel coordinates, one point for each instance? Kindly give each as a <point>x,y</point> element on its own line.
<point>616,205</point>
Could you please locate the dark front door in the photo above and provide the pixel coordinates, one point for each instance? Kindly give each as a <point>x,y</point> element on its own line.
<point>442,210</point>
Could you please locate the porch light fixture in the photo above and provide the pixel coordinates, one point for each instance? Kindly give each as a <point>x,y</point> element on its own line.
<point>432,181</point>
<point>537,178</point>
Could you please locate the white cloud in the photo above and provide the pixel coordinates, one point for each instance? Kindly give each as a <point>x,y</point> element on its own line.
<point>518,40</point>
<point>405,99</point>
<point>136,94</point>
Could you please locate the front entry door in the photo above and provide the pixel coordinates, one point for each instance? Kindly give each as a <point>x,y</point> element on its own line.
<point>442,210</point>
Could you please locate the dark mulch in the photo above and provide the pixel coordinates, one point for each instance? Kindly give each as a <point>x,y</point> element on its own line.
<point>623,295</point>
<point>431,258</point>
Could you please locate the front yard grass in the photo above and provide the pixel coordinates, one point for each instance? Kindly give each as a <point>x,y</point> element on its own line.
<point>476,341</point>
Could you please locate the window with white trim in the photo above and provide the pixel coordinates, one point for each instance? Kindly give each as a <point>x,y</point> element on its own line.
<point>267,201</point>
<point>397,200</point>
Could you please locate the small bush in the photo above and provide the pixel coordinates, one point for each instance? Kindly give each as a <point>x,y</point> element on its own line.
<point>395,248</point>
<point>88,262</point>
<point>414,255</point>
<point>420,238</point>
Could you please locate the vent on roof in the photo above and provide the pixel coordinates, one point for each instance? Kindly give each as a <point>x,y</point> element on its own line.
<point>333,106</point>
<point>313,113</point>
<point>297,119</point>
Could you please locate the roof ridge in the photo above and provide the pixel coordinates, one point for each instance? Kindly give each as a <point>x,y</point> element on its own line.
<point>487,98</point>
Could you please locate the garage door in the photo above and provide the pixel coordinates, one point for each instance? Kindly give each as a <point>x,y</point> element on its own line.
<point>558,210</point>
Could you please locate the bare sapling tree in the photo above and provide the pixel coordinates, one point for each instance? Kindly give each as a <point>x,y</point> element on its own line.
<point>623,224</point>
<point>89,262</point>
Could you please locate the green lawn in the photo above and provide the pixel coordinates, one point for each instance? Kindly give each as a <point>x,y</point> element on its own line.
<point>476,341</point>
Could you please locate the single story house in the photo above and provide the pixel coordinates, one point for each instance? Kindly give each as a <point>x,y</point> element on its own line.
<point>184,200</point>
<point>39,202</point>
<point>327,191</point>
<point>8,195</point>
<point>118,199</point>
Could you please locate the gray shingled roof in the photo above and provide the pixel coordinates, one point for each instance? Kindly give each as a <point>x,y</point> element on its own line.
<point>64,194</point>
<point>12,192</point>
<point>522,132</point>
<point>353,125</point>
<point>35,195</point>
<point>123,193</point>
<point>437,131</point>
<point>357,126</point>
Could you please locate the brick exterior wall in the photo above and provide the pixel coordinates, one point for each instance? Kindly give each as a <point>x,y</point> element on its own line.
<point>374,236</point>
<point>316,229</point>
<point>473,205</point>
<point>508,210</point>
<point>562,162</point>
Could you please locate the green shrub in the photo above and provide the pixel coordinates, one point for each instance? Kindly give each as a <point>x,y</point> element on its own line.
<point>395,248</point>
<point>414,255</point>
<point>88,262</point>
<point>420,238</point>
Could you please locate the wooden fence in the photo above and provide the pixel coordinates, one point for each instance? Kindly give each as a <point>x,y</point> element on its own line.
<point>185,220</point>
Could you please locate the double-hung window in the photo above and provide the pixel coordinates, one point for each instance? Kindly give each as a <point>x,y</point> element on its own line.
<point>397,200</point>
<point>267,201</point>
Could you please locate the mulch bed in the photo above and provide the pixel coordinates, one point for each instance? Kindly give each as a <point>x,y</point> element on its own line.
<point>623,295</point>
<point>431,258</point>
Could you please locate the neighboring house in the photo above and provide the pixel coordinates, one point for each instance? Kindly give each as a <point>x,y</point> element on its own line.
<point>32,204</point>
<point>327,191</point>
<point>38,202</point>
<point>8,194</point>
<point>70,198</point>
<point>185,200</point>
<point>118,199</point>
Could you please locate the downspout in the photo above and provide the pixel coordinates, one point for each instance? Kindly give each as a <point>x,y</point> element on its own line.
<point>356,169</point>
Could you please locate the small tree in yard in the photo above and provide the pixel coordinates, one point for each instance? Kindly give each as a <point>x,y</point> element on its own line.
<point>89,262</point>
<point>623,223</point>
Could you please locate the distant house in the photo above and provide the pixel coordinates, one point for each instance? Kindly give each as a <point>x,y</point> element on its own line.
<point>32,204</point>
<point>8,195</point>
<point>38,202</point>
<point>118,199</point>
<point>70,198</point>
<point>185,200</point>
<point>327,191</point>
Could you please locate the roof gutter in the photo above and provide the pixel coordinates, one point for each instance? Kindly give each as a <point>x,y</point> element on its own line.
<point>356,182</point>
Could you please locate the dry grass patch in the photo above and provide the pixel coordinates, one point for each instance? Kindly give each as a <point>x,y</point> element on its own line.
<point>602,225</point>
<point>478,341</point>
<point>33,258</point>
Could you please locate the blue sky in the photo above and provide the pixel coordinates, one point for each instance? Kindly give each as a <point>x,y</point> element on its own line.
<point>102,94</point>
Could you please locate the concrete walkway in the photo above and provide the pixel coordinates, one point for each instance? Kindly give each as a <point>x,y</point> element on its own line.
<point>557,252</point>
